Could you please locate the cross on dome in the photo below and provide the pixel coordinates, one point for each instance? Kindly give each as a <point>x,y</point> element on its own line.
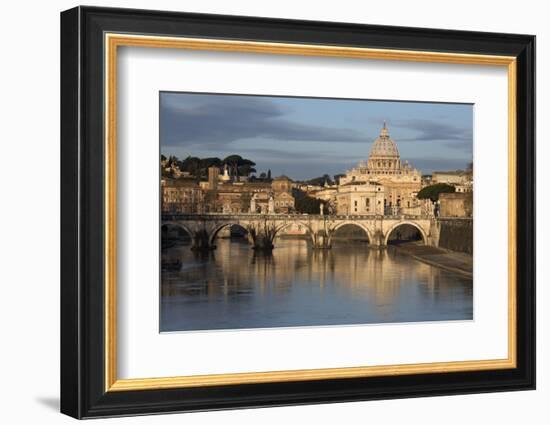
<point>384,132</point>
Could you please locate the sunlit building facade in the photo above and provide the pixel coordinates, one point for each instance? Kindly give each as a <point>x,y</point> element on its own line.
<point>400,181</point>
<point>360,198</point>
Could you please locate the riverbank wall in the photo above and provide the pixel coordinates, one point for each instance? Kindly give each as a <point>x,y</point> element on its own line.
<point>455,234</point>
<point>457,262</point>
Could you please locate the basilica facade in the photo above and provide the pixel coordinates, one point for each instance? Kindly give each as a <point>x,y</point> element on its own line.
<point>382,184</point>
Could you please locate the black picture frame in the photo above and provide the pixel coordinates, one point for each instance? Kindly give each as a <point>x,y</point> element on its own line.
<point>83,392</point>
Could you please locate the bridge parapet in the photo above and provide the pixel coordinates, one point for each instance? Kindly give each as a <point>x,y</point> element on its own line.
<point>321,228</point>
<point>326,217</point>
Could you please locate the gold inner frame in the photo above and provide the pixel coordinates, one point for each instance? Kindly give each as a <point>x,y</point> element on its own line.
<point>113,41</point>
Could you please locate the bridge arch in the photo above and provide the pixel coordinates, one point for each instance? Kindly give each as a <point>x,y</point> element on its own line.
<point>310,231</point>
<point>214,233</point>
<point>349,223</point>
<point>403,223</point>
<point>186,229</point>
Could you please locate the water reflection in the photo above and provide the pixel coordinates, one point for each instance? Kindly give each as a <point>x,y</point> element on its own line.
<point>234,287</point>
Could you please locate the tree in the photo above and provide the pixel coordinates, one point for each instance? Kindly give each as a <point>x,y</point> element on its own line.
<point>432,192</point>
<point>306,204</point>
<point>191,164</point>
<point>240,166</point>
<point>206,163</point>
<point>233,162</point>
<point>246,167</point>
<point>198,167</point>
<point>172,159</point>
<point>320,181</point>
<point>163,171</point>
<point>337,178</point>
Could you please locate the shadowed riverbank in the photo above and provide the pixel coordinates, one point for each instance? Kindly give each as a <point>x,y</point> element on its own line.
<point>457,262</point>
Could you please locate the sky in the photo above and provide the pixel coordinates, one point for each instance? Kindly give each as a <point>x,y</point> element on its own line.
<point>305,138</point>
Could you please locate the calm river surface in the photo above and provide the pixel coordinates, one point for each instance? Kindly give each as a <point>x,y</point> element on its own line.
<point>235,288</point>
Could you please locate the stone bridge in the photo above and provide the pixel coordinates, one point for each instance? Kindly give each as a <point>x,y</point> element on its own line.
<point>262,229</point>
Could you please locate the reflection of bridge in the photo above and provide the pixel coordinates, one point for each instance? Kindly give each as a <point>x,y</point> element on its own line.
<point>263,228</point>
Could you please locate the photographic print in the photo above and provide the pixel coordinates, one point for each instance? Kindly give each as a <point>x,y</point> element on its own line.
<point>312,215</point>
<point>291,211</point>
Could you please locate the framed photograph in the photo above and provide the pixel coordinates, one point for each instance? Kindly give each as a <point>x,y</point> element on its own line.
<point>261,212</point>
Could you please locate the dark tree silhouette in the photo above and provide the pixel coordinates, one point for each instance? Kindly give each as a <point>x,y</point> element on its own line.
<point>240,166</point>
<point>306,204</point>
<point>432,192</point>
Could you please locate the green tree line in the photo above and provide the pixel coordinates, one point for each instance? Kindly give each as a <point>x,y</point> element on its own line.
<point>432,192</point>
<point>198,167</point>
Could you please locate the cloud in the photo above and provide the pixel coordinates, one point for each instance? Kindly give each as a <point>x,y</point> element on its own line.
<point>220,120</point>
<point>429,165</point>
<point>430,131</point>
<point>274,135</point>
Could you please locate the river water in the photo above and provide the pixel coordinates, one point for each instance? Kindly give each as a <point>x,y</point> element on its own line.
<point>233,287</point>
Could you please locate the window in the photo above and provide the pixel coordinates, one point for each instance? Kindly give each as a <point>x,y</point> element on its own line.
<point>355,204</point>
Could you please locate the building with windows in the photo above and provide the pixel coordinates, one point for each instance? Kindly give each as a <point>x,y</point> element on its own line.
<point>248,197</point>
<point>181,196</point>
<point>400,181</point>
<point>360,198</point>
<point>383,184</point>
<point>462,180</point>
<point>451,177</point>
<point>220,195</point>
<point>283,201</point>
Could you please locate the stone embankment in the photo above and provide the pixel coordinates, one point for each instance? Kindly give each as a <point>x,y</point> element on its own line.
<point>456,234</point>
<point>457,262</point>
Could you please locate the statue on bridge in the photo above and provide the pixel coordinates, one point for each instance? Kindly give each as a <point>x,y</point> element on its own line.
<point>253,204</point>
